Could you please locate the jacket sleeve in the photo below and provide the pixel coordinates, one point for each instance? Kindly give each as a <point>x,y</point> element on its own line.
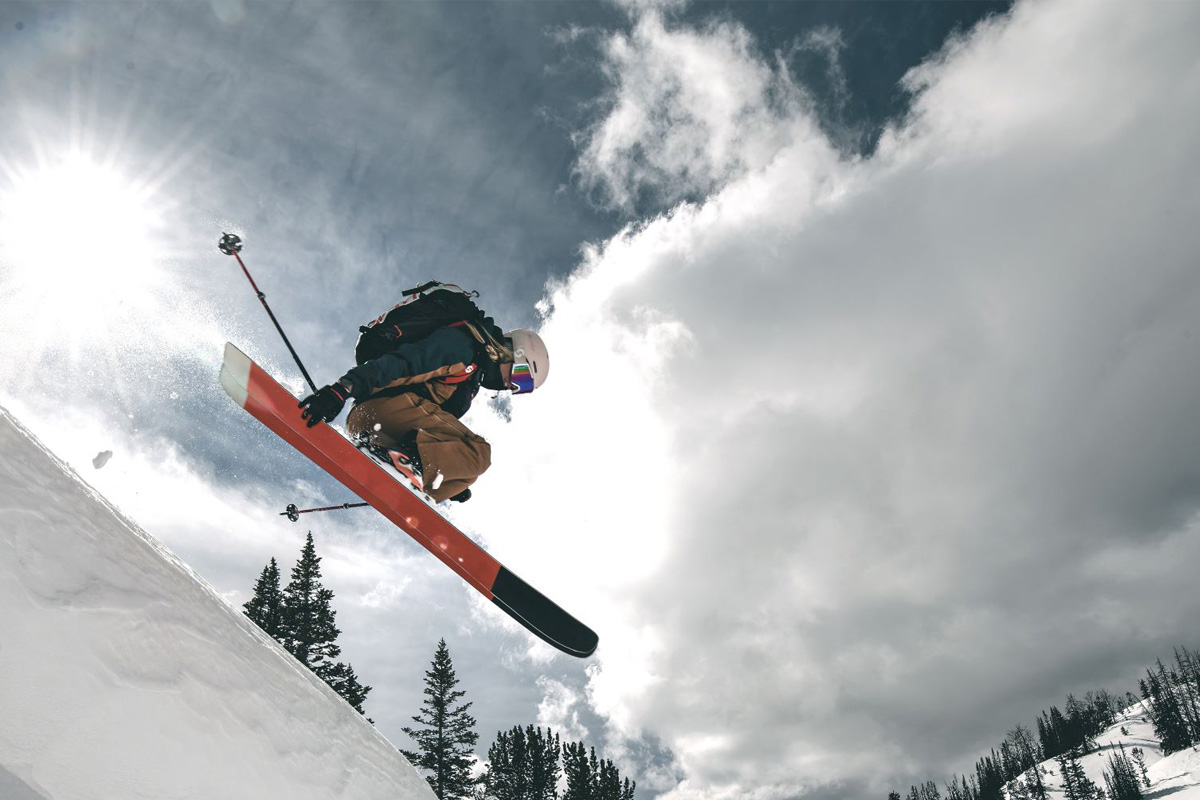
<point>442,348</point>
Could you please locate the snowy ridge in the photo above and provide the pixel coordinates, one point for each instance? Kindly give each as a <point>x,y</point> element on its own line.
<point>124,675</point>
<point>1176,775</point>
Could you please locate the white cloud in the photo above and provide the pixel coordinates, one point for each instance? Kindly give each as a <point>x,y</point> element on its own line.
<point>385,593</point>
<point>690,109</point>
<point>827,450</point>
<point>559,709</point>
<point>1051,85</point>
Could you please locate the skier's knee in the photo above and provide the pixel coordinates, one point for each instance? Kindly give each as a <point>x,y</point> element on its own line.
<point>483,456</point>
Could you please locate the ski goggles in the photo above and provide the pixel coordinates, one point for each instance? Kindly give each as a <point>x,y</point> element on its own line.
<point>521,381</point>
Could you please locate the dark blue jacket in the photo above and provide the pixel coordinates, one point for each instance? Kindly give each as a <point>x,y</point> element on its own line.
<point>447,367</point>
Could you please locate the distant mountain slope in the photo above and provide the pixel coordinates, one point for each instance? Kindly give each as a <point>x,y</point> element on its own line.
<point>1176,775</point>
<point>124,675</point>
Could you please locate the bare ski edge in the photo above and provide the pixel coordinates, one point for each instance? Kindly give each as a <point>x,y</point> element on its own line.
<point>533,610</point>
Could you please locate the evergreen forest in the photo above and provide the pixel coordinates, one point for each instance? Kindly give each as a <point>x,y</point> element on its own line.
<point>1015,769</point>
<point>523,763</point>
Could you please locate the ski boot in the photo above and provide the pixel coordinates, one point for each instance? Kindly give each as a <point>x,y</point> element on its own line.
<point>403,457</point>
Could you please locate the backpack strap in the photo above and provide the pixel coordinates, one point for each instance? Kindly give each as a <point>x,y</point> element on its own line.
<point>492,345</point>
<point>460,377</point>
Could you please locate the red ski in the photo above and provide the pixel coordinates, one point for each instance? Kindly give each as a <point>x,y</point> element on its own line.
<point>257,392</point>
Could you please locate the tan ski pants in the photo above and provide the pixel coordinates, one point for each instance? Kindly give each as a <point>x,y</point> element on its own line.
<point>446,446</point>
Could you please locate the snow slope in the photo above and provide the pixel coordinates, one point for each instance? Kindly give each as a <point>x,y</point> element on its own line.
<point>1176,775</point>
<point>124,675</point>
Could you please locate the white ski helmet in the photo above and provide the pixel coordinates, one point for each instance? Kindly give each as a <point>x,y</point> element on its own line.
<point>531,362</point>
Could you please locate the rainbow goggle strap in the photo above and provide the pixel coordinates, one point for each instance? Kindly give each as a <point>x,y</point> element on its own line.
<point>521,381</point>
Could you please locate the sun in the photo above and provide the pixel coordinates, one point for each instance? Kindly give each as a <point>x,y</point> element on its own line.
<point>76,248</point>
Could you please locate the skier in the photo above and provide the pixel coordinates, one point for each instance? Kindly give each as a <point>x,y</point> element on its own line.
<point>408,400</point>
<point>419,366</point>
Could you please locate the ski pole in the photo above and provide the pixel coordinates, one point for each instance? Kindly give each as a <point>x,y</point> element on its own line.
<point>231,245</point>
<point>294,513</point>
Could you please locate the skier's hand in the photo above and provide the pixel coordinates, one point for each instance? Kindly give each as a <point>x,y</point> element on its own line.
<point>323,406</point>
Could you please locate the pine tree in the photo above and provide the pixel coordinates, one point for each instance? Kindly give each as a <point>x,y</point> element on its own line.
<point>926,791</point>
<point>1070,791</point>
<point>1139,757</point>
<point>1019,789</point>
<point>341,679</point>
<point>1080,725</point>
<point>609,785</point>
<point>309,632</point>
<point>1053,733</point>
<point>265,607</point>
<point>579,770</point>
<point>1027,786</point>
<point>523,765</point>
<point>1165,710</point>
<point>1076,784</point>
<point>544,769</point>
<point>955,790</point>
<point>507,776</point>
<point>1037,787</point>
<point>446,737</point>
<point>307,629</point>
<point>589,778</point>
<point>1188,681</point>
<point>1026,759</point>
<point>990,777</point>
<point>1121,777</point>
<point>1106,708</point>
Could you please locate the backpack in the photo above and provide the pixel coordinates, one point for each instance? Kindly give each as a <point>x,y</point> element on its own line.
<point>423,310</point>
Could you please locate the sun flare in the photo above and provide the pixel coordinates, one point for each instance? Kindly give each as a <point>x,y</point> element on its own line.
<point>75,248</point>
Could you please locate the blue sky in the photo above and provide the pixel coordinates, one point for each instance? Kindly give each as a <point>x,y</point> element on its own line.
<point>871,329</point>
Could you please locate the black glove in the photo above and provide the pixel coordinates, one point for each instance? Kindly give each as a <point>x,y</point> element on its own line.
<point>326,404</point>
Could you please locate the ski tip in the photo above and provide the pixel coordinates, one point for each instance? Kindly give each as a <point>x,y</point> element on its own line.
<point>235,374</point>
<point>235,356</point>
<point>542,617</point>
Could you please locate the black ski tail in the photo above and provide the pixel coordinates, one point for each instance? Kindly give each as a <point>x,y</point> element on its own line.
<point>541,616</point>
